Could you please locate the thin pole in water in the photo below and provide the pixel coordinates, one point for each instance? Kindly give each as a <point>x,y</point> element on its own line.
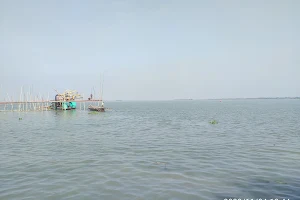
<point>20,99</point>
<point>83,102</point>
<point>101,89</point>
<point>0,90</point>
<point>24,101</point>
<point>9,98</point>
<point>47,104</point>
<point>12,105</point>
<point>4,104</point>
<point>29,96</point>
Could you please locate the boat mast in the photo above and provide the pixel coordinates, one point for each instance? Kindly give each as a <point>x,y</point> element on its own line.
<point>99,91</point>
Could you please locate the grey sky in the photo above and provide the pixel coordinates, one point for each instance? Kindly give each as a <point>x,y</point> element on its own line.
<point>151,49</point>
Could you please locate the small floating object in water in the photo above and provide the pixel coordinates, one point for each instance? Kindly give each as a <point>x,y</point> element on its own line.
<point>280,182</point>
<point>161,163</point>
<point>20,118</point>
<point>213,122</point>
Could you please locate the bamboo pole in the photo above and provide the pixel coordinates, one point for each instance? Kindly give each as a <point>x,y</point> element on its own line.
<point>84,102</point>
<point>1,90</point>
<point>100,90</point>
<point>102,87</point>
<point>4,104</point>
<point>23,102</point>
<point>34,107</point>
<point>20,99</point>
<point>37,102</point>
<point>27,101</point>
<point>30,105</point>
<point>9,99</point>
<point>48,101</point>
<point>38,99</point>
<point>33,98</point>
<point>12,105</point>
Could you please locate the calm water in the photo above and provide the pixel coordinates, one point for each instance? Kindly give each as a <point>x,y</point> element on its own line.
<point>154,150</point>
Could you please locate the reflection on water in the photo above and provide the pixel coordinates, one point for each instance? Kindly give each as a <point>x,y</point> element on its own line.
<point>65,113</point>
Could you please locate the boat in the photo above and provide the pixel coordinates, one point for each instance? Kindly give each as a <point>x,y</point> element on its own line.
<point>96,108</point>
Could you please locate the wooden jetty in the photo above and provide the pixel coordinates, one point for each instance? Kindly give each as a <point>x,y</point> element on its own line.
<point>50,101</point>
<point>68,100</point>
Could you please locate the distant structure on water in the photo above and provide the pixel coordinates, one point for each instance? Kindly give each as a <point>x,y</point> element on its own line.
<point>183,99</point>
<point>66,100</point>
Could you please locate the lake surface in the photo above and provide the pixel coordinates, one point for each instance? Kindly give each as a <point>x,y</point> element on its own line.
<point>154,150</point>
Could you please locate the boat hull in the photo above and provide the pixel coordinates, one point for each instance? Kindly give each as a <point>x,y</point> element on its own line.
<point>96,108</point>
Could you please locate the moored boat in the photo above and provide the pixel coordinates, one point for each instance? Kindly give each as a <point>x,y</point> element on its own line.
<point>96,108</point>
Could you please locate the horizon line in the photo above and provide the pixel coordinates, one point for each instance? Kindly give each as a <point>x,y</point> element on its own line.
<point>191,99</point>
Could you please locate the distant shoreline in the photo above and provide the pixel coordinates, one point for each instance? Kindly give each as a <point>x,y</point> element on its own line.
<point>256,98</point>
<point>183,99</point>
<point>214,99</point>
<point>253,98</point>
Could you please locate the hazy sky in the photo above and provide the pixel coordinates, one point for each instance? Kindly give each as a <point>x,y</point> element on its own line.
<point>154,49</point>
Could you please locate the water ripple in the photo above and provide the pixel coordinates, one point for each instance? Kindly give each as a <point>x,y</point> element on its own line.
<point>154,150</point>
